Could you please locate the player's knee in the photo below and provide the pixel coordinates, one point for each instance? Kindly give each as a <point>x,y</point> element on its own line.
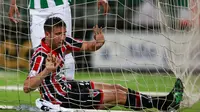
<point>118,86</point>
<point>121,95</point>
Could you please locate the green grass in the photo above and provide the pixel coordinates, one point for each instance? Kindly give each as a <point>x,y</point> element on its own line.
<point>138,82</point>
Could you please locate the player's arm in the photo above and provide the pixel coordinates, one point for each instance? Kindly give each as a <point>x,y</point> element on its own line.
<point>75,45</point>
<point>35,79</point>
<point>12,11</point>
<point>95,44</point>
<point>32,83</point>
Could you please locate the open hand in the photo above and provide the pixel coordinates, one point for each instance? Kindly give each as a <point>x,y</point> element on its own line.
<point>98,34</point>
<point>52,62</point>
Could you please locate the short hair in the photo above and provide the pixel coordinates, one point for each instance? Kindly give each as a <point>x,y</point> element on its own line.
<point>53,22</point>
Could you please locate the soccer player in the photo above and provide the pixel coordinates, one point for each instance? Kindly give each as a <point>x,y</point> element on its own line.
<point>40,10</point>
<point>46,74</point>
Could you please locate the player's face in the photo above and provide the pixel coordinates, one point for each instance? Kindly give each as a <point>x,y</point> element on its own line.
<point>58,35</point>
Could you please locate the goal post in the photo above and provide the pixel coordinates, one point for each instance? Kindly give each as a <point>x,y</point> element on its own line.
<point>148,44</point>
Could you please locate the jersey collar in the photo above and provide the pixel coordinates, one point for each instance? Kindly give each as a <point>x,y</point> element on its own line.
<point>43,44</point>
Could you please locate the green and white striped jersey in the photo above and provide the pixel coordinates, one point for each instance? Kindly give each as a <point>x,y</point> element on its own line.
<point>41,4</point>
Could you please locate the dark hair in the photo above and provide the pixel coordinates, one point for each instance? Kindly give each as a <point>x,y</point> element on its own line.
<point>53,22</point>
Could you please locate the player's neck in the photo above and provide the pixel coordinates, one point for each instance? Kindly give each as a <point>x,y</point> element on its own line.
<point>49,44</point>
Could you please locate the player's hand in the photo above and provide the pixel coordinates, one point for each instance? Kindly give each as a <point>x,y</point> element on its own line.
<point>12,11</point>
<point>98,34</point>
<point>105,5</point>
<point>52,62</point>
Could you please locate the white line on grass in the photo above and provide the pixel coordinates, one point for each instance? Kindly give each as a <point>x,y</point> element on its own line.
<point>12,88</point>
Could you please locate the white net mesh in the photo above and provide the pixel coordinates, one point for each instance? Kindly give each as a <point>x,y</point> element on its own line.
<point>149,43</point>
<point>182,37</point>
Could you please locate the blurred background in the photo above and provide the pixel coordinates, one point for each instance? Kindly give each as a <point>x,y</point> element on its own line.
<point>130,18</point>
<point>149,43</point>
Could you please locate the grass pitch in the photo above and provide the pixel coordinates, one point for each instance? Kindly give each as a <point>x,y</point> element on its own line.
<point>138,82</point>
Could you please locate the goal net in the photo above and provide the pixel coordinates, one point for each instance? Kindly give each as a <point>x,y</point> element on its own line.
<point>182,37</point>
<point>149,43</point>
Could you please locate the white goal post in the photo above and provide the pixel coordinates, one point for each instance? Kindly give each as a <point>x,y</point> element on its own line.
<point>149,43</point>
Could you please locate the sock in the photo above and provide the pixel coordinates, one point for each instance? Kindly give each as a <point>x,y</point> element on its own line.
<point>138,101</point>
<point>163,103</point>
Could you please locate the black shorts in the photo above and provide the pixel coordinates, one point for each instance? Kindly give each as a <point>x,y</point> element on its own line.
<point>73,84</point>
<point>83,95</point>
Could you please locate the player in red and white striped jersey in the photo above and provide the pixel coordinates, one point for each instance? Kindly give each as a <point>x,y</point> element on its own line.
<point>52,83</point>
<point>46,74</point>
<point>39,11</point>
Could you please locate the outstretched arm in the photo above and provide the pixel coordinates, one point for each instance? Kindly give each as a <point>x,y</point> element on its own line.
<point>97,43</point>
<point>76,45</point>
<point>12,11</point>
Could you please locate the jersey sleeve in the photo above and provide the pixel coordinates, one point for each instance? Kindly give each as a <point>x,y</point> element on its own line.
<point>73,44</point>
<point>37,65</point>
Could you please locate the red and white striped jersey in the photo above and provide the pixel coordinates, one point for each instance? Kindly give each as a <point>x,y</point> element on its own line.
<point>53,87</point>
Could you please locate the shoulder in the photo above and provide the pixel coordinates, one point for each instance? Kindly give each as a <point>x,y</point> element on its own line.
<point>40,52</point>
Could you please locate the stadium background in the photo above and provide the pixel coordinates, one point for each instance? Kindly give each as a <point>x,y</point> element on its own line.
<point>17,38</point>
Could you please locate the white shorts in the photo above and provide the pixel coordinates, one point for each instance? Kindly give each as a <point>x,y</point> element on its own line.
<point>37,19</point>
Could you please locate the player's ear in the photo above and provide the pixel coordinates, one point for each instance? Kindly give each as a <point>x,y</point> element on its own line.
<point>47,34</point>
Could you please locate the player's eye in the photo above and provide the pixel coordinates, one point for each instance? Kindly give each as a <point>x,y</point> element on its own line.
<point>59,33</point>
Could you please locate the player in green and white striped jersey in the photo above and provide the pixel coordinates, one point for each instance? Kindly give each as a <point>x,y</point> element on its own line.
<point>40,10</point>
<point>35,4</point>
